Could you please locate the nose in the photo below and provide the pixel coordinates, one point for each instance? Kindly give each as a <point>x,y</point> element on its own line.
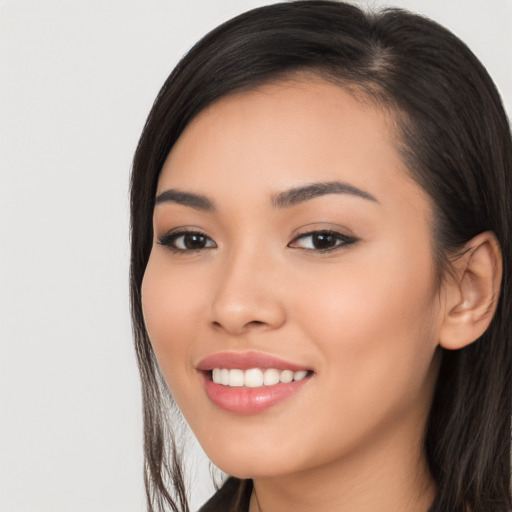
<point>248,295</point>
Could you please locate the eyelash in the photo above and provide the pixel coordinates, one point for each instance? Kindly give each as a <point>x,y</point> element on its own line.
<point>169,241</point>
<point>340,239</point>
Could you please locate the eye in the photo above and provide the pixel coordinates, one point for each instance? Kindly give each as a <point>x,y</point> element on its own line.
<point>185,241</point>
<point>321,241</point>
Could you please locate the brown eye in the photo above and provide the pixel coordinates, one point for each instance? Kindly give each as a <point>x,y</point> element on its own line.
<point>191,241</point>
<point>322,241</point>
<point>187,241</point>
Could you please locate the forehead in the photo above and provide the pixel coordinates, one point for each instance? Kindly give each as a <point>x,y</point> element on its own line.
<point>287,134</point>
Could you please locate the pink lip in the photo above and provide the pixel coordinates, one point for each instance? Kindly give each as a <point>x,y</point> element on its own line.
<point>245,361</point>
<point>244,400</point>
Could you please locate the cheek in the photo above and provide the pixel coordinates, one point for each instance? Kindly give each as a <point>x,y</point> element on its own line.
<point>172,311</point>
<point>374,320</point>
<point>376,333</point>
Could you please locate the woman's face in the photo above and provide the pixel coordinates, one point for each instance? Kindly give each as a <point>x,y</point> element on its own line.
<point>289,241</point>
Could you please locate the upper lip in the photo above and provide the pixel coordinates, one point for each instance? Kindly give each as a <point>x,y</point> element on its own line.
<point>245,361</point>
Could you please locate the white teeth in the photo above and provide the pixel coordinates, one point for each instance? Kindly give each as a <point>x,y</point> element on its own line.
<point>271,377</point>
<point>236,378</point>
<point>255,377</point>
<point>300,375</point>
<point>286,376</point>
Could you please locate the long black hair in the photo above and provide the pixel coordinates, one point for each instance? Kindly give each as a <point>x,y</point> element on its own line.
<point>455,139</point>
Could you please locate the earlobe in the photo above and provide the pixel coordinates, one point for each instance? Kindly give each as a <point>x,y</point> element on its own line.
<point>472,294</point>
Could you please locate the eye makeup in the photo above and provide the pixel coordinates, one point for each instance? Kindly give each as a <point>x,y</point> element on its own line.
<point>186,241</point>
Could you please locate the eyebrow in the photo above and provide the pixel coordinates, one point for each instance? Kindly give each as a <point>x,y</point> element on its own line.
<point>298,195</point>
<point>196,201</point>
<point>284,199</point>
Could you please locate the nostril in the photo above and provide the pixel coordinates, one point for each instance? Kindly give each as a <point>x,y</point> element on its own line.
<point>253,322</point>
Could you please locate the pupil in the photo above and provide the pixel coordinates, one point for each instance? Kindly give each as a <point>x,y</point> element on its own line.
<point>324,240</point>
<point>194,241</point>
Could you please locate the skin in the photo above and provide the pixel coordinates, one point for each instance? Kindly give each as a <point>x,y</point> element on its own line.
<point>365,317</point>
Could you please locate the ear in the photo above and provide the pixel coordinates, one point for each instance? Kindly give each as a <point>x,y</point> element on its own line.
<point>472,293</point>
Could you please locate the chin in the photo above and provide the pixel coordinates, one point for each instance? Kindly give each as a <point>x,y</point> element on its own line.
<point>252,463</point>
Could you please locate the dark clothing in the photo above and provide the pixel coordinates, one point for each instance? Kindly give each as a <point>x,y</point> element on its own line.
<point>226,498</point>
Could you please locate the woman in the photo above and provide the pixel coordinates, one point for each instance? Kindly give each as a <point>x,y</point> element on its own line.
<point>321,266</point>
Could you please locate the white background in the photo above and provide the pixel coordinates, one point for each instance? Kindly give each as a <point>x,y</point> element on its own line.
<point>77,79</point>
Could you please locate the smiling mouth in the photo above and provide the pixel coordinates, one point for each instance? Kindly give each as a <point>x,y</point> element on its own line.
<point>251,382</point>
<point>255,377</point>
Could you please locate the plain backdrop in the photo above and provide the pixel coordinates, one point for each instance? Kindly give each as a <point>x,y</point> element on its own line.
<point>77,79</point>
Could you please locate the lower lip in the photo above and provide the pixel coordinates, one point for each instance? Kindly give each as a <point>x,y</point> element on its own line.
<point>244,400</point>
